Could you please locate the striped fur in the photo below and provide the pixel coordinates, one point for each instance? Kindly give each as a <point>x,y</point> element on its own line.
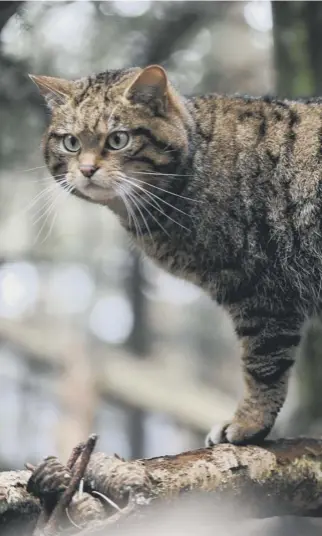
<point>238,207</point>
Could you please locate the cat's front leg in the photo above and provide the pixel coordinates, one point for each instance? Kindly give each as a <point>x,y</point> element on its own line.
<point>268,357</point>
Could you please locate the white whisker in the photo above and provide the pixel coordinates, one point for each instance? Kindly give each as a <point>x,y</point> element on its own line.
<point>65,196</point>
<point>129,211</point>
<point>39,180</point>
<point>153,204</point>
<point>154,197</point>
<point>46,209</point>
<point>47,235</point>
<point>45,179</point>
<point>169,205</point>
<point>150,194</point>
<point>48,201</point>
<point>139,200</point>
<point>31,169</point>
<point>167,191</point>
<point>38,197</point>
<point>128,208</point>
<point>62,192</point>
<point>134,200</point>
<point>136,225</point>
<point>159,173</point>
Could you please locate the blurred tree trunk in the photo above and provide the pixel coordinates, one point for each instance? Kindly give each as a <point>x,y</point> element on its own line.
<point>139,344</point>
<point>77,393</point>
<point>283,20</point>
<point>292,65</point>
<point>312,14</point>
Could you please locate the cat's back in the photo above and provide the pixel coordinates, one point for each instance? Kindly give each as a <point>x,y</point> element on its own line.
<point>262,137</point>
<point>263,157</point>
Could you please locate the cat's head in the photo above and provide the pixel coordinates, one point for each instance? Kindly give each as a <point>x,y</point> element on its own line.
<point>112,132</point>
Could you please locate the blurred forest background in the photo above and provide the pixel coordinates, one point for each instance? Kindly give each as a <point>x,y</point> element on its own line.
<point>93,338</point>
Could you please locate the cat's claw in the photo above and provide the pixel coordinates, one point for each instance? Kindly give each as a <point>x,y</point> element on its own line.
<point>216,435</point>
<point>235,433</point>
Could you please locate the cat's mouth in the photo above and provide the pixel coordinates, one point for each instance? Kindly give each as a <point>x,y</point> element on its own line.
<point>97,193</point>
<point>94,191</point>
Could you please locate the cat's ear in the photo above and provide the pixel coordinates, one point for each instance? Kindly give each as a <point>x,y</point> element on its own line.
<point>54,90</point>
<point>151,88</point>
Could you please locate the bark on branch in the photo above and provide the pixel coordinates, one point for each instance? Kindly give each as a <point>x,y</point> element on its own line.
<point>278,478</point>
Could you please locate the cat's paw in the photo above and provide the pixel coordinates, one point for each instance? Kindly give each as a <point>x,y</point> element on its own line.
<point>217,435</point>
<point>237,433</point>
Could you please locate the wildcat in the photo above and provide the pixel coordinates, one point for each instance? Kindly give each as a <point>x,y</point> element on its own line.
<point>223,191</point>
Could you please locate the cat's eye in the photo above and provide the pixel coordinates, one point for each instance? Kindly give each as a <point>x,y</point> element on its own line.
<point>71,143</point>
<point>117,140</point>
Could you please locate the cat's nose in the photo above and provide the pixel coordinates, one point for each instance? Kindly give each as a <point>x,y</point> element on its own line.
<point>88,170</point>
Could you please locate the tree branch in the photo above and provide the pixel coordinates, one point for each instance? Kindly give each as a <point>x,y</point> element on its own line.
<point>279,478</point>
<point>18,509</point>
